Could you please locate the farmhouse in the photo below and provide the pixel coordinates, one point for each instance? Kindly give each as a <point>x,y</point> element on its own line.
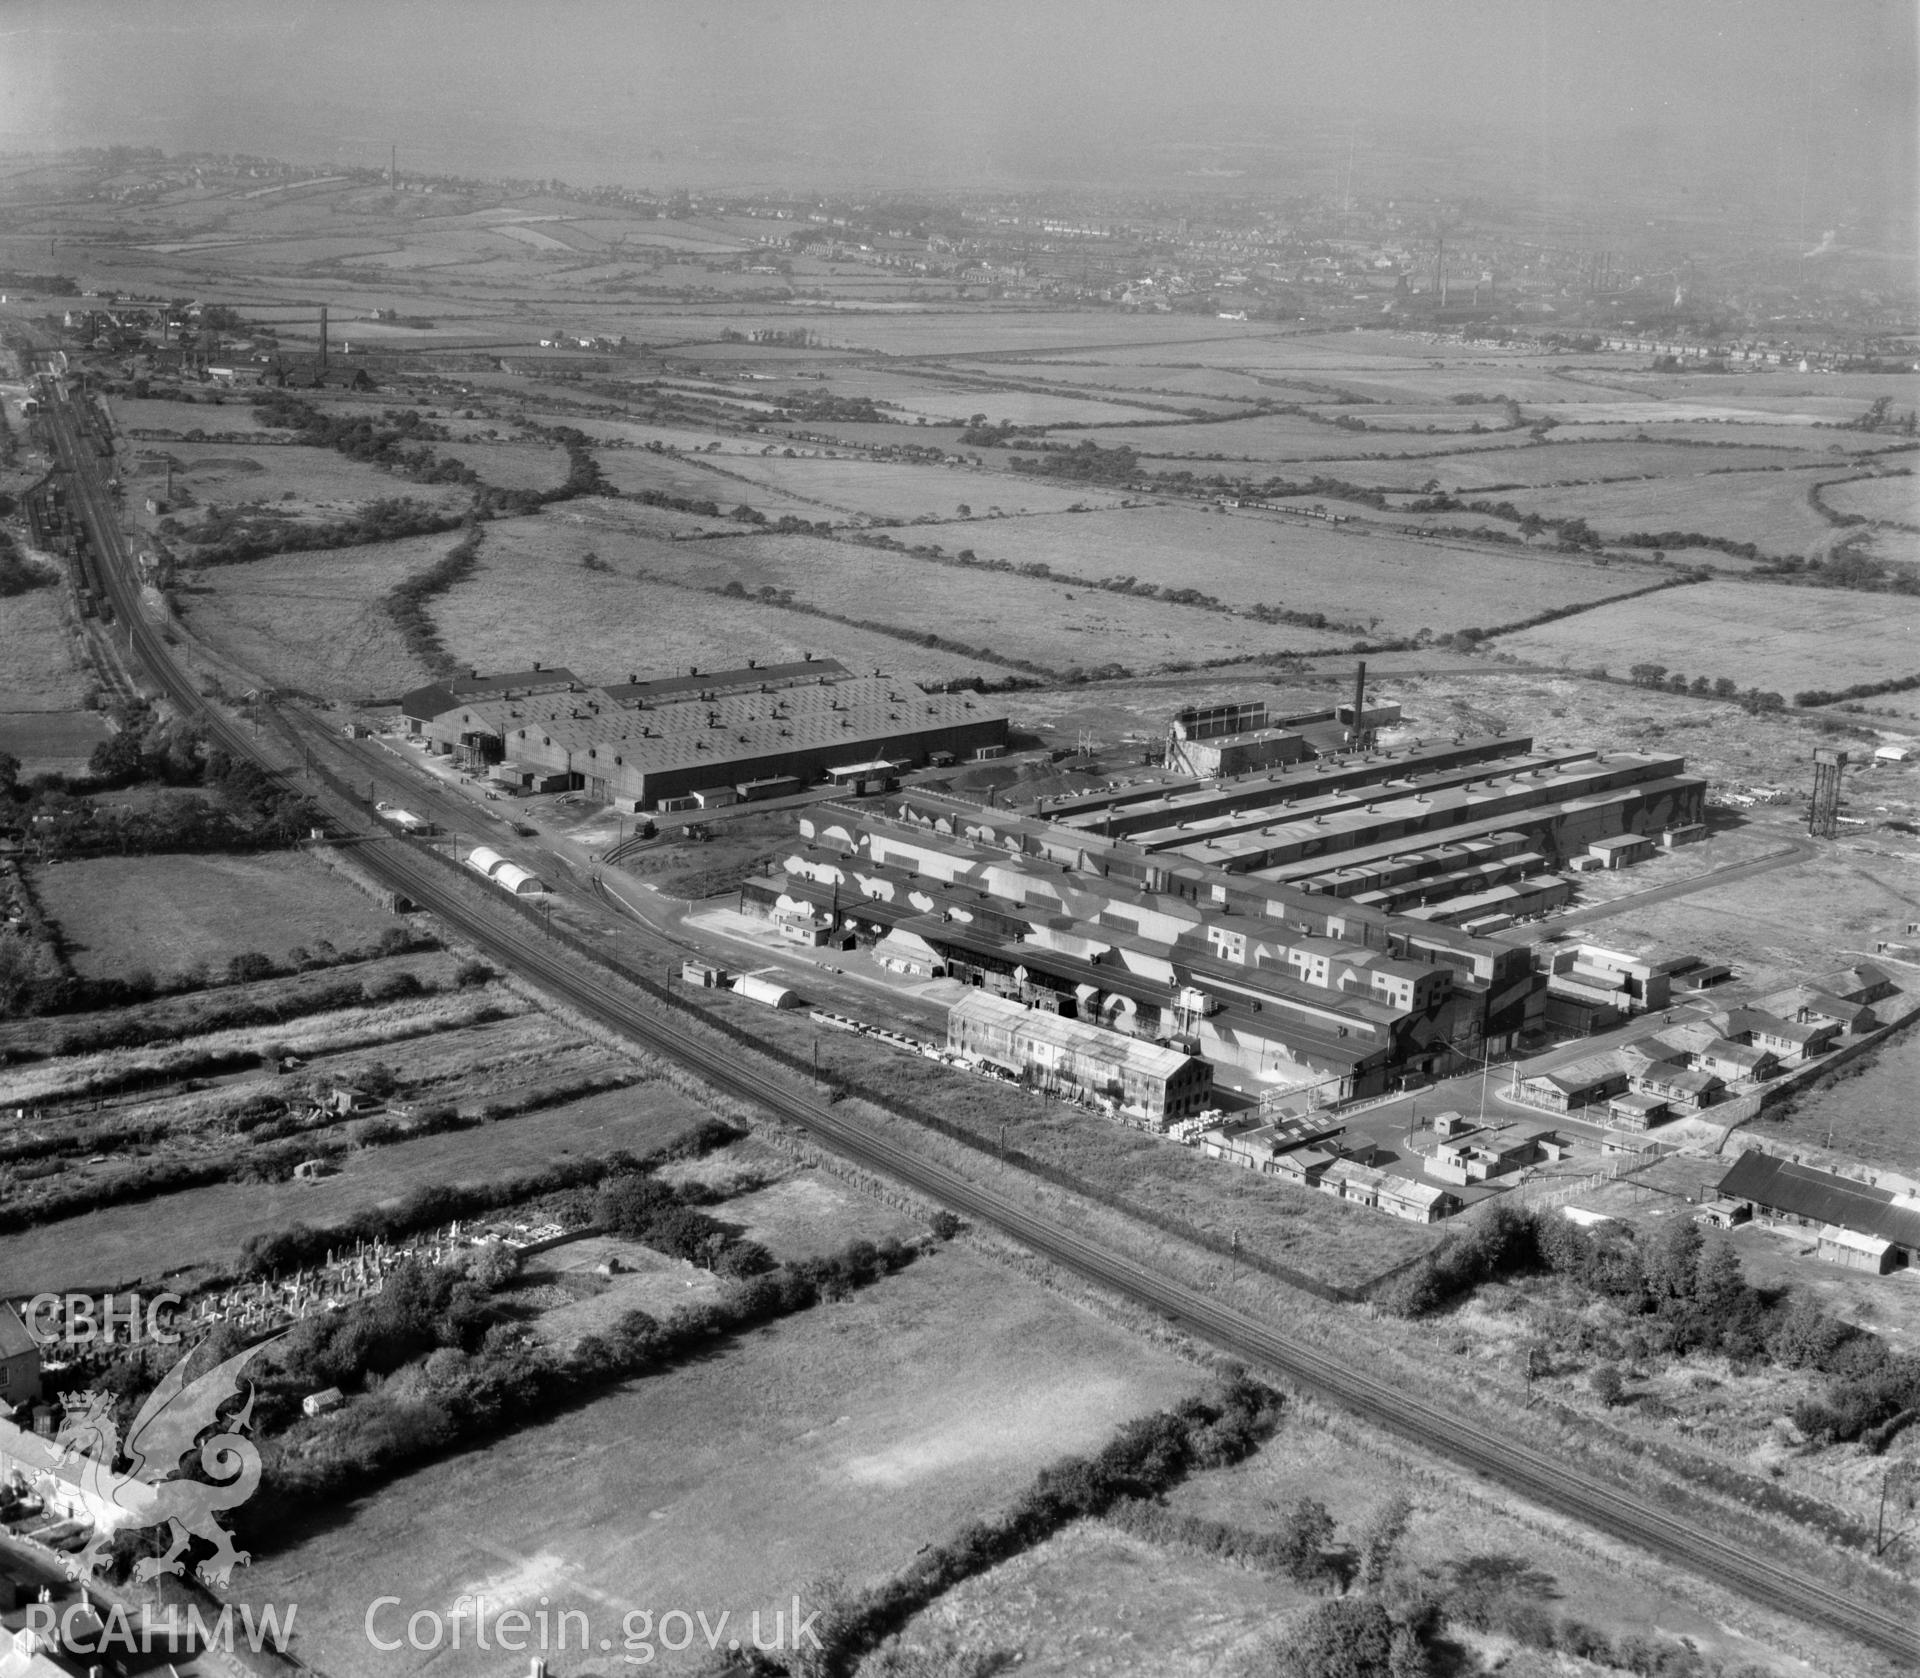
<point>678,742</point>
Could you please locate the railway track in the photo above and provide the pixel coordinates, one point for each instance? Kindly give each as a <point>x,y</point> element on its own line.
<point>1548,1480</point>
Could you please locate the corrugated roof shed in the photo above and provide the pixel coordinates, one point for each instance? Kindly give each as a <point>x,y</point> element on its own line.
<point>1803,1192</point>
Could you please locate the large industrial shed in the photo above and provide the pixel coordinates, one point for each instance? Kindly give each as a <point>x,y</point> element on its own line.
<point>673,742</point>
<point>1862,1226</point>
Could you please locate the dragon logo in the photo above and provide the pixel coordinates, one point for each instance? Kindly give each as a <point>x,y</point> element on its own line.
<point>152,1492</point>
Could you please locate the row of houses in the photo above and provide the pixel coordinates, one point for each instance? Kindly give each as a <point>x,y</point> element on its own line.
<point>1683,1069</point>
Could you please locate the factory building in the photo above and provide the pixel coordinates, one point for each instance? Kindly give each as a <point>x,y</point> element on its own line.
<point>1141,1080</point>
<point>1226,740</point>
<point>1468,832</point>
<point>700,739</point>
<point>1286,992</point>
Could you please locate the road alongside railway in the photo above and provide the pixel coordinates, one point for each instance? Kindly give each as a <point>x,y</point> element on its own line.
<point>1499,1456</point>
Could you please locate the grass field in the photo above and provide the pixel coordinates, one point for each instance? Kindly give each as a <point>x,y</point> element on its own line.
<point>43,669</point>
<point>233,413</point>
<point>1170,379</point>
<point>1244,558</point>
<point>1894,547</point>
<point>1895,499</point>
<point>56,741</point>
<point>509,465</point>
<point>317,622</point>
<point>1271,440</point>
<point>885,490</point>
<point>1564,1567</point>
<point>204,1228</point>
<point>310,483</point>
<point>1053,625</point>
<point>837,1442</point>
<point>915,395</point>
<point>168,913</point>
<point>180,1015</point>
<point>528,601</point>
<point>1867,1110</point>
<point>1769,509</point>
<point>1094,1599</point>
<point>634,471</point>
<point>1784,639</point>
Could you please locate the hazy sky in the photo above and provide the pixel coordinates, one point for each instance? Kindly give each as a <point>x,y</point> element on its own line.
<point>1745,100</point>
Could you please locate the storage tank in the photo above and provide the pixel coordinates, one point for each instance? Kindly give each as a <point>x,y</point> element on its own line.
<point>770,991</point>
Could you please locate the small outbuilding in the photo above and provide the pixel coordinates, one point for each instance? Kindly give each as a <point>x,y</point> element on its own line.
<point>324,1402</point>
<point>1854,1251</point>
<point>769,991</point>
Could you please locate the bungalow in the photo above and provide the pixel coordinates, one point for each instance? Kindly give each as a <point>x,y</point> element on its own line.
<point>1637,1112</point>
<point>1851,1017</point>
<point>1790,1041</point>
<point>1681,1087</point>
<point>1417,1203</point>
<point>1862,982</point>
<point>1583,1084</point>
<point>1737,1063</point>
